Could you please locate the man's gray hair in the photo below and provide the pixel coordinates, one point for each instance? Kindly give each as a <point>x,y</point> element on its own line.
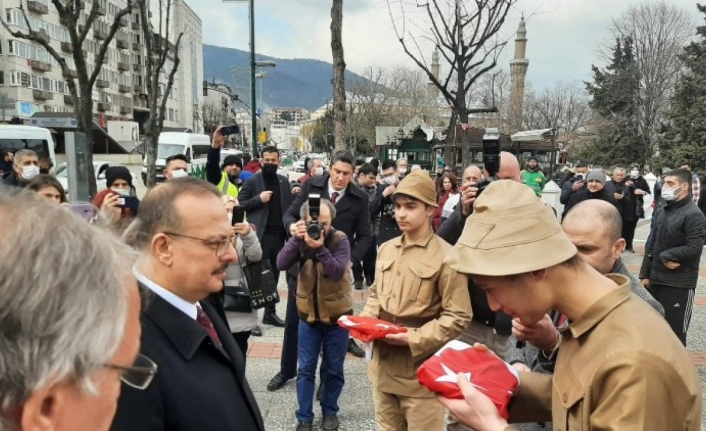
<point>64,299</point>
<point>20,154</point>
<point>619,168</point>
<point>304,210</point>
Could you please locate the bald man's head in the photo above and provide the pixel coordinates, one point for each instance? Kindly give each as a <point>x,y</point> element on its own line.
<point>595,228</point>
<point>509,167</point>
<point>602,215</point>
<point>472,174</point>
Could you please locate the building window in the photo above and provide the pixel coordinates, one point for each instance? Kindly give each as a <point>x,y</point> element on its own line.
<point>2,77</point>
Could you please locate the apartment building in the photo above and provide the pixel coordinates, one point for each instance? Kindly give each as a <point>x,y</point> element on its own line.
<point>218,107</point>
<point>31,80</point>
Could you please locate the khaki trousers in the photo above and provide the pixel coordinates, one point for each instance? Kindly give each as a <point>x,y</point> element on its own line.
<point>401,413</point>
<point>477,332</point>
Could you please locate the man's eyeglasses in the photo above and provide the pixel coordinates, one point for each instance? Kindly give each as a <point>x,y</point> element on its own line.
<point>221,245</point>
<point>139,375</point>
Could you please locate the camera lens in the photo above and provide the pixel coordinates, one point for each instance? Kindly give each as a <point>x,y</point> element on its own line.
<point>313,230</point>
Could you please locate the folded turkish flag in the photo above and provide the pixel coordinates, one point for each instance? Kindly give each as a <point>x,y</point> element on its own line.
<point>367,329</point>
<point>488,373</point>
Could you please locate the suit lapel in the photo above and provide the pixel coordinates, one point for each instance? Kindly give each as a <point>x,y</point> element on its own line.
<point>229,349</point>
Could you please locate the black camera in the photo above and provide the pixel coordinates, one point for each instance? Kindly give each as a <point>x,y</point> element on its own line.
<point>313,227</point>
<point>491,157</point>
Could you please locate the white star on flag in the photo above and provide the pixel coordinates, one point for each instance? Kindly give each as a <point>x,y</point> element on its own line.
<point>451,377</point>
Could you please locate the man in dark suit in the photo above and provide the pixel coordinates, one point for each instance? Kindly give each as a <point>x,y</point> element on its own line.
<point>184,240</point>
<point>352,218</point>
<point>265,196</point>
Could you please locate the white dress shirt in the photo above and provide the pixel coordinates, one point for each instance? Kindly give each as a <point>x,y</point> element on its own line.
<point>331,191</point>
<point>185,306</point>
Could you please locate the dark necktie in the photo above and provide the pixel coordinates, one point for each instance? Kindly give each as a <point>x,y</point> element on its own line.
<point>204,321</point>
<point>334,197</point>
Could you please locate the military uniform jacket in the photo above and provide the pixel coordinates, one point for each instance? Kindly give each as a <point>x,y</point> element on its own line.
<point>414,288</point>
<point>619,368</point>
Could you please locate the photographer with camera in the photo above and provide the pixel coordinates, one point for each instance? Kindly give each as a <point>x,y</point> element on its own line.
<point>575,182</point>
<point>323,294</point>
<point>226,177</point>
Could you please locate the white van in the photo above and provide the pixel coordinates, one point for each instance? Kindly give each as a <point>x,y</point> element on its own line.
<point>37,139</point>
<point>193,146</point>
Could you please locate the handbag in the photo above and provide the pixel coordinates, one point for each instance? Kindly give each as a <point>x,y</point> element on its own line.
<point>237,298</point>
<point>261,282</point>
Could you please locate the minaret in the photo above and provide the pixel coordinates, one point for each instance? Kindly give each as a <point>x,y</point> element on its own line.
<point>518,70</point>
<point>432,89</point>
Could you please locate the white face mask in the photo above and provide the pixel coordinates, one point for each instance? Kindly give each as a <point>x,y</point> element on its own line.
<point>179,173</point>
<point>319,171</point>
<point>391,180</point>
<point>120,191</point>
<point>670,194</point>
<point>29,172</point>
<point>634,174</point>
<point>402,171</point>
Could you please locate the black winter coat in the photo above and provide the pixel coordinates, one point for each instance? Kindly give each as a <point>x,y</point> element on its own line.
<point>585,194</point>
<point>677,236</point>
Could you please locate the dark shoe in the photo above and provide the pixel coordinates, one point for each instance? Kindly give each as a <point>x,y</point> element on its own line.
<point>278,382</point>
<point>369,282</point>
<point>272,319</point>
<point>320,392</point>
<point>358,285</point>
<point>354,349</point>
<point>330,423</point>
<point>256,331</point>
<point>304,426</point>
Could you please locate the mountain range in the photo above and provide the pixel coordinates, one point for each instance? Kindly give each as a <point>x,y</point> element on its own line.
<point>293,83</point>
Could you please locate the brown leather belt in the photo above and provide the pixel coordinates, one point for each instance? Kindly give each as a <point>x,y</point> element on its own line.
<point>411,322</point>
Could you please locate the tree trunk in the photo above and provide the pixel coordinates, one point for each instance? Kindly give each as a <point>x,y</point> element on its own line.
<point>85,126</point>
<point>338,81</point>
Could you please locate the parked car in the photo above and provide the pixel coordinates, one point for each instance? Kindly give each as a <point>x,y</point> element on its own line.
<point>62,174</point>
<point>299,165</point>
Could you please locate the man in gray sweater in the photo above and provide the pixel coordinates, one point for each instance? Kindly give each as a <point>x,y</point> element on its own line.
<point>594,227</point>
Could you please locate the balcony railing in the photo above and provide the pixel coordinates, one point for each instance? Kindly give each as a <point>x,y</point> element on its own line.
<point>125,109</point>
<point>36,7</point>
<point>102,83</point>
<point>135,46</point>
<point>123,44</point>
<point>68,100</point>
<point>135,26</point>
<point>42,95</point>
<point>100,11</point>
<point>72,73</point>
<point>123,66</point>
<point>122,22</point>
<point>100,34</point>
<point>41,66</point>
<point>123,88</point>
<point>136,67</point>
<point>102,106</point>
<point>42,34</point>
<point>67,47</point>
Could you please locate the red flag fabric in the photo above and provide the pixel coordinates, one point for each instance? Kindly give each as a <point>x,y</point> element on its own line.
<point>488,373</point>
<point>367,329</point>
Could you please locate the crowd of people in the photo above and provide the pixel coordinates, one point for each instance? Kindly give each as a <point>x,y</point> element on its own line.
<point>155,293</point>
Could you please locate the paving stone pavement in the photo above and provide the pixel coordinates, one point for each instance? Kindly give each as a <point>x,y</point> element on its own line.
<point>356,401</point>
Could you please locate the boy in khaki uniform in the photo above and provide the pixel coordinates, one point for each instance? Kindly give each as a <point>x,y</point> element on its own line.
<point>416,289</point>
<point>619,366</point>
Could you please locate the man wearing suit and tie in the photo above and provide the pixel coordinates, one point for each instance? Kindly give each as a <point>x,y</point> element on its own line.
<point>265,196</point>
<point>184,242</point>
<point>352,218</point>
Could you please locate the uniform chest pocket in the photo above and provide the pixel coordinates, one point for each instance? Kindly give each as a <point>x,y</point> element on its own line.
<point>383,276</point>
<point>421,282</point>
<point>572,398</point>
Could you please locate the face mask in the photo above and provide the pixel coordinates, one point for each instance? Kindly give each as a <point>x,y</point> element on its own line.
<point>269,169</point>
<point>634,174</point>
<point>29,172</point>
<point>121,192</point>
<point>670,194</point>
<point>391,180</point>
<point>319,171</point>
<point>179,173</point>
<point>402,171</point>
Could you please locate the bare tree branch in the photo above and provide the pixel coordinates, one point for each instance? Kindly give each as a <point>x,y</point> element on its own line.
<point>111,33</point>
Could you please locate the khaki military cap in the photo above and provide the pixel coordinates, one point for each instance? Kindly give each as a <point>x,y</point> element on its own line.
<point>418,185</point>
<point>511,231</point>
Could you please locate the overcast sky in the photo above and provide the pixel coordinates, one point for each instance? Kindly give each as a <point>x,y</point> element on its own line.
<point>563,35</point>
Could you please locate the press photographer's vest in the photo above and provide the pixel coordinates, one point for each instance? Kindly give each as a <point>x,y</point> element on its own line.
<point>321,299</point>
